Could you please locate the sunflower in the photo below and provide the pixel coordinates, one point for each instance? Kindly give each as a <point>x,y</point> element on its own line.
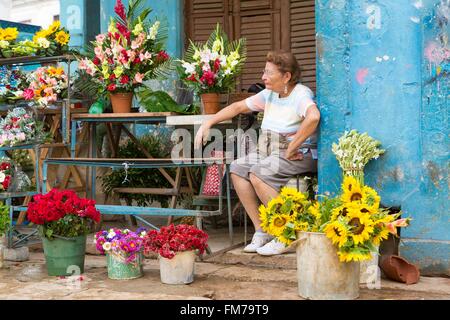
<point>383,234</point>
<point>264,217</point>
<point>9,34</point>
<point>40,34</point>
<point>352,190</point>
<point>278,224</point>
<point>293,193</point>
<point>274,205</point>
<point>337,232</point>
<point>62,38</point>
<point>301,226</point>
<point>361,226</point>
<point>314,210</point>
<point>371,198</point>
<point>354,255</point>
<point>54,27</point>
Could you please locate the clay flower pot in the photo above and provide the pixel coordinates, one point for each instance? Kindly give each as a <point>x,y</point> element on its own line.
<point>398,269</point>
<point>121,102</point>
<point>211,103</point>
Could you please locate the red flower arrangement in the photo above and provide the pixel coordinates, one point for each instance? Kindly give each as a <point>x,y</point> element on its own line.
<point>62,213</point>
<point>172,239</point>
<point>5,175</point>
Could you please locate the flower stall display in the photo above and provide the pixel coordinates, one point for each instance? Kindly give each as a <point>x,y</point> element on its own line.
<point>64,220</point>
<point>354,150</point>
<point>12,84</point>
<point>212,68</point>
<point>124,249</point>
<point>5,174</point>
<point>47,85</point>
<point>177,247</point>
<point>52,41</point>
<point>130,53</point>
<point>19,127</point>
<point>8,37</point>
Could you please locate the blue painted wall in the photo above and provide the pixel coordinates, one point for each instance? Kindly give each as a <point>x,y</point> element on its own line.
<point>383,69</point>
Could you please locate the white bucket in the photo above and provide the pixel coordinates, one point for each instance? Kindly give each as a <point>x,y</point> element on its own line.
<point>178,270</point>
<point>321,276</point>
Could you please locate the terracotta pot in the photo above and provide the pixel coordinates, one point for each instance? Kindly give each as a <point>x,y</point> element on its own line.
<point>121,102</point>
<point>211,103</point>
<point>398,269</point>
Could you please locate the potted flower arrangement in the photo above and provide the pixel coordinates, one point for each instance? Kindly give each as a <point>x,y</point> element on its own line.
<point>19,127</point>
<point>346,228</point>
<point>124,251</point>
<point>212,68</point>
<point>46,86</point>
<point>14,82</point>
<point>52,41</point>
<point>5,224</point>
<point>8,37</point>
<point>5,174</point>
<point>64,221</point>
<point>177,247</point>
<point>130,53</point>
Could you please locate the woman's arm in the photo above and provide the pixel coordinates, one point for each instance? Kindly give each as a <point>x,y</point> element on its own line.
<point>307,128</point>
<point>225,114</point>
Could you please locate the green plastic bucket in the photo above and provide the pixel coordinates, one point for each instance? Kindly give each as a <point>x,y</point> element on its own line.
<point>65,256</point>
<point>118,269</point>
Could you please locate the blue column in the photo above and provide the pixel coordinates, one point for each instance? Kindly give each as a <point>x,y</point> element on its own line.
<point>383,69</point>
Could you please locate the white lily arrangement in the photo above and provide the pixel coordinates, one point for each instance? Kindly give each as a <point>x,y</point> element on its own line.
<point>354,150</point>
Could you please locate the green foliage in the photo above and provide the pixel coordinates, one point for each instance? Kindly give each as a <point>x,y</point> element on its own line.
<point>70,226</point>
<point>326,207</point>
<point>160,101</point>
<point>5,221</point>
<point>159,147</point>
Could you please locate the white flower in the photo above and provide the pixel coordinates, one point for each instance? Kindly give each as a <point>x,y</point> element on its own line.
<point>228,71</point>
<point>43,43</point>
<point>2,177</point>
<point>111,235</point>
<point>153,31</point>
<point>107,246</point>
<point>4,44</point>
<point>188,67</point>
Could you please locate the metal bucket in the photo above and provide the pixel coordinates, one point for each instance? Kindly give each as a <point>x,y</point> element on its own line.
<point>119,269</point>
<point>320,273</point>
<point>65,256</point>
<point>178,270</point>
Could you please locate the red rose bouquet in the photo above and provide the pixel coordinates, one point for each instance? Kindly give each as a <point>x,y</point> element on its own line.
<point>172,239</point>
<point>62,213</point>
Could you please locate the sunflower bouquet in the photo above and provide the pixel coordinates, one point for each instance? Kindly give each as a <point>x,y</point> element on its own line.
<point>8,38</point>
<point>353,221</point>
<point>288,213</point>
<point>357,224</point>
<point>52,41</point>
<point>354,150</point>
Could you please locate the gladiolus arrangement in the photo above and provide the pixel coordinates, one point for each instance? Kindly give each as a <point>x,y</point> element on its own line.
<point>130,53</point>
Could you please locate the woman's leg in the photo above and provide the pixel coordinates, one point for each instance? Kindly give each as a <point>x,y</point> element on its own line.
<point>264,192</point>
<point>248,198</point>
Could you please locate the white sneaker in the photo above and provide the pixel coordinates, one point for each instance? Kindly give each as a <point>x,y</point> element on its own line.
<point>274,247</point>
<point>258,241</point>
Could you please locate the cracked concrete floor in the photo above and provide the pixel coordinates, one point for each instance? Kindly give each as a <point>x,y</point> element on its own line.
<point>29,280</point>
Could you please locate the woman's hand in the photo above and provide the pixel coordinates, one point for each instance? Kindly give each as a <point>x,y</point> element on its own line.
<point>293,154</point>
<point>202,136</point>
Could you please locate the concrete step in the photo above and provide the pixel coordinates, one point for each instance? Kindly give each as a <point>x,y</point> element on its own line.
<point>239,257</point>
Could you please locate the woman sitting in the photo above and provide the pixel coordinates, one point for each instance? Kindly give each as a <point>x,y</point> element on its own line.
<point>288,145</point>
